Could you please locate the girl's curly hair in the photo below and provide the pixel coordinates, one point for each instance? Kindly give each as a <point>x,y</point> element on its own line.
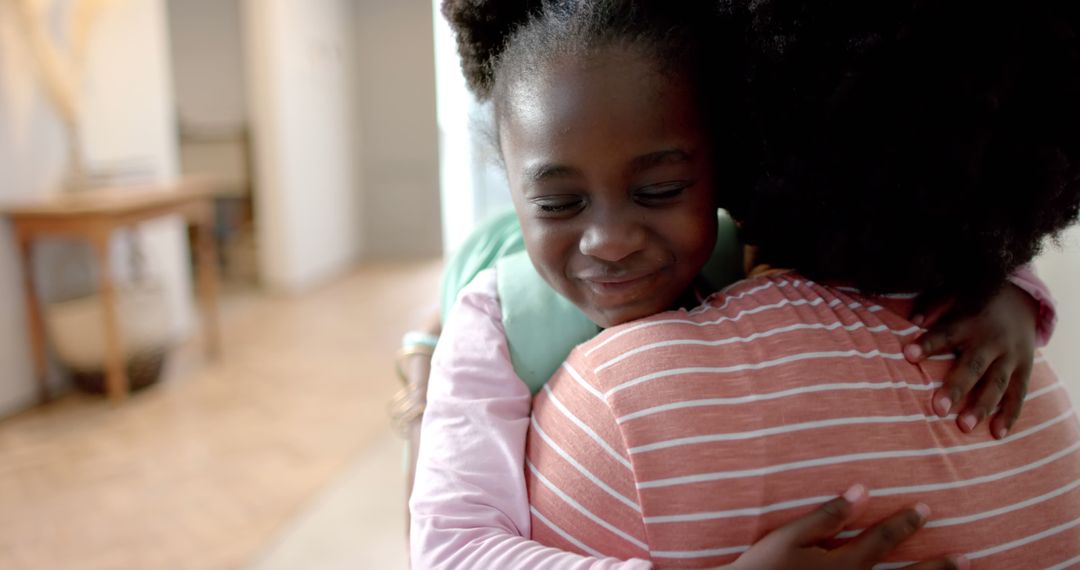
<point>501,41</point>
<point>482,28</point>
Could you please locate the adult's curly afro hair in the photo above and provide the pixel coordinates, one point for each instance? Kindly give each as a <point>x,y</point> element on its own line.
<point>908,144</point>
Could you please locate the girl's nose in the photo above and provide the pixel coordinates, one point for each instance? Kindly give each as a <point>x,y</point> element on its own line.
<point>612,240</point>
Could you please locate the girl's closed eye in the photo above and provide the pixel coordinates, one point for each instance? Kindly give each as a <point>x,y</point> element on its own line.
<point>661,194</point>
<point>557,205</point>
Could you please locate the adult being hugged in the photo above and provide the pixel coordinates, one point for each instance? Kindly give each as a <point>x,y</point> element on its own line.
<point>897,149</point>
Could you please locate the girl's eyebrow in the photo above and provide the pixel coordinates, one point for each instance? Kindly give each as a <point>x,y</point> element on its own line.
<point>646,161</point>
<point>541,172</point>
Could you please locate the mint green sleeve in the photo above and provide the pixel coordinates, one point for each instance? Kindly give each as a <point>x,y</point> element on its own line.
<point>490,241</point>
<point>541,326</point>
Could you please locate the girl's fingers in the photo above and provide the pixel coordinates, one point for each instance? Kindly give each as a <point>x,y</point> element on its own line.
<point>877,542</point>
<point>962,377</point>
<point>989,391</point>
<point>1012,402</point>
<point>929,315</point>
<point>825,521</point>
<point>942,339</point>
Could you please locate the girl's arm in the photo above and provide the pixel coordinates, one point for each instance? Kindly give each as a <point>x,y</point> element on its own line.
<point>995,350</point>
<point>469,506</point>
<point>414,369</point>
<point>1026,279</point>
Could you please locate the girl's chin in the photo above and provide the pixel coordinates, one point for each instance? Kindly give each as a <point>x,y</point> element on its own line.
<point>615,316</point>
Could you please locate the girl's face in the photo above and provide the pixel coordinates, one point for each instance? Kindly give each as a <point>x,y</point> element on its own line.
<point>611,174</point>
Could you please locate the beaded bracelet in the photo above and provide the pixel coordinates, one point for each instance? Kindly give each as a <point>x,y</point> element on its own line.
<point>419,338</point>
<point>414,343</point>
<point>408,405</point>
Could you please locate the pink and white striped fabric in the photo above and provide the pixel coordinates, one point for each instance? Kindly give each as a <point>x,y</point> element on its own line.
<point>685,437</point>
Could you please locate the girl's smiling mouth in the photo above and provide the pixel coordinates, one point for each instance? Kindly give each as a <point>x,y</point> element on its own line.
<point>619,288</point>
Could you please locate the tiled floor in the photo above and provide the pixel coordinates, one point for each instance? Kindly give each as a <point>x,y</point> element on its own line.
<point>212,468</point>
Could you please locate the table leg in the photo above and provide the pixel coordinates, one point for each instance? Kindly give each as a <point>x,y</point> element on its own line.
<point>206,259</point>
<point>33,316</point>
<point>116,381</point>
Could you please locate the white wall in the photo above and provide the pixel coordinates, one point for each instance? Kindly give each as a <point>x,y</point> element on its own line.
<point>128,117</point>
<point>456,149</point>
<point>31,161</point>
<point>302,71</point>
<point>211,93</point>
<point>400,137</point>
<point>1060,268</point>
<point>472,182</point>
<point>208,62</point>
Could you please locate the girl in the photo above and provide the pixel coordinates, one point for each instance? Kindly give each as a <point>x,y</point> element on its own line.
<point>605,116</point>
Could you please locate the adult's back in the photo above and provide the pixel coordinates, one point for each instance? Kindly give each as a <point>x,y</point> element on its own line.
<point>688,436</point>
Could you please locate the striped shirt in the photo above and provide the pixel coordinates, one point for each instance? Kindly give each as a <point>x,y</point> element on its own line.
<point>685,437</point>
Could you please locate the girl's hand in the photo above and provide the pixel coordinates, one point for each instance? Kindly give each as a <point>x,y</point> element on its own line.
<point>797,544</point>
<point>995,353</point>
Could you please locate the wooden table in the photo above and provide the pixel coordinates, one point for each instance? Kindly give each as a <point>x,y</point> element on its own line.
<point>94,215</point>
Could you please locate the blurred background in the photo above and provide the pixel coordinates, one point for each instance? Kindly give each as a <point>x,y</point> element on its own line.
<point>346,157</point>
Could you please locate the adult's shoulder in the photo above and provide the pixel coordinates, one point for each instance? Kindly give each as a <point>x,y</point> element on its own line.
<point>738,311</point>
<point>730,302</point>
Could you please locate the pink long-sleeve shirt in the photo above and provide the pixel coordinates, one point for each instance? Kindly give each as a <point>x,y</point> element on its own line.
<point>470,506</point>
